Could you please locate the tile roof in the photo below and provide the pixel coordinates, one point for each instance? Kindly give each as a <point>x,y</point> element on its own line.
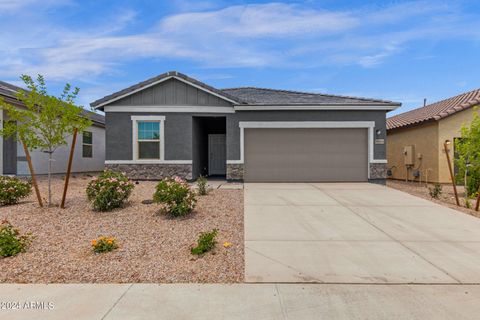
<point>253,96</point>
<point>264,96</point>
<point>10,91</point>
<point>435,111</point>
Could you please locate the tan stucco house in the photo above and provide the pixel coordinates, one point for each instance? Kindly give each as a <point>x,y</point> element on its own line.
<point>415,144</point>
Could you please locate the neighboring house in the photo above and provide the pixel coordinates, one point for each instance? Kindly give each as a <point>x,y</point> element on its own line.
<point>416,138</point>
<point>89,150</point>
<point>175,125</point>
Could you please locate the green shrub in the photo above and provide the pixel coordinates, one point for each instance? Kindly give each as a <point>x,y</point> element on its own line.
<point>13,189</point>
<point>202,185</point>
<point>436,191</point>
<point>11,242</point>
<point>473,183</point>
<point>104,244</point>
<point>206,241</point>
<point>176,196</point>
<point>109,191</point>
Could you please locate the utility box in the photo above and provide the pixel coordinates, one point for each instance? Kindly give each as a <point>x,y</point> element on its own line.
<point>409,155</point>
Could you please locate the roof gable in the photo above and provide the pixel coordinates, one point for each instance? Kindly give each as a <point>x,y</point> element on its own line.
<point>435,111</point>
<point>153,91</point>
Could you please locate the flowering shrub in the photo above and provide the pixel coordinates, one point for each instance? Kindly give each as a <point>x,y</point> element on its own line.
<point>104,244</point>
<point>109,191</point>
<point>202,186</point>
<point>13,189</point>
<point>11,242</point>
<point>176,195</point>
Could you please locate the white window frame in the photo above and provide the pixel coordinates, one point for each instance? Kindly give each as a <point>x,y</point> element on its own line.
<point>370,125</point>
<point>88,144</point>
<point>135,120</point>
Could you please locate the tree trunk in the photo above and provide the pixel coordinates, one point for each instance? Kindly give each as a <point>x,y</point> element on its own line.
<point>49,178</point>
<point>32,174</point>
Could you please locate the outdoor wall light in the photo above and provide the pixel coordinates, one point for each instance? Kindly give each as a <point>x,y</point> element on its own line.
<point>378,132</point>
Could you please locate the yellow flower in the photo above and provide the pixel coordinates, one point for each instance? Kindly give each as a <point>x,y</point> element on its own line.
<point>227,244</point>
<point>94,242</point>
<point>110,241</point>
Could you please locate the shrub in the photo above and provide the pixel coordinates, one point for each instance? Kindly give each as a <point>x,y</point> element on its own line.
<point>202,185</point>
<point>436,191</point>
<point>176,195</point>
<point>11,242</point>
<point>104,244</point>
<point>468,204</point>
<point>473,183</point>
<point>13,189</point>
<point>206,242</point>
<point>109,191</point>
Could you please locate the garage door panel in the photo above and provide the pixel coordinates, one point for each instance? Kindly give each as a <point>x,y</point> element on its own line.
<point>295,155</point>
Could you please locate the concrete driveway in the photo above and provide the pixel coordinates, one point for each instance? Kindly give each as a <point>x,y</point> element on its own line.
<point>355,233</point>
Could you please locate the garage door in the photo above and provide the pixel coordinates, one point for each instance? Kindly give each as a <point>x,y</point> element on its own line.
<point>296,155</point>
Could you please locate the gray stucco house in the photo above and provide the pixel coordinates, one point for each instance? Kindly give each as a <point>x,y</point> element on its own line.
<point>175,125</point>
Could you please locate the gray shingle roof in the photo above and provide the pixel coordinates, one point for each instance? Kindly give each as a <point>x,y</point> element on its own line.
<point>254,96</point>
<point>9,90</point>
<point>160,77</point>
<point>263,96</point>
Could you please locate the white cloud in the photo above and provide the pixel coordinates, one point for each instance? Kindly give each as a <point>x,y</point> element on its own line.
<point>270,34</point>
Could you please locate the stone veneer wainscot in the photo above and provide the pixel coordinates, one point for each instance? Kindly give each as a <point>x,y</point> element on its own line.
<point>153,171</point>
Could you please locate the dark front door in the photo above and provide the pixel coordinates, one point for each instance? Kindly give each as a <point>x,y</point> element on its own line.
<point>9,156</point>
<point>217,154</point>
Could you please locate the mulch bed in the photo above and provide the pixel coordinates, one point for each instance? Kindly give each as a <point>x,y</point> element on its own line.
<point>152,247</point>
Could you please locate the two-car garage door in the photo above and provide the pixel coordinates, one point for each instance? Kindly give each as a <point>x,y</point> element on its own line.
<point>305,154</point>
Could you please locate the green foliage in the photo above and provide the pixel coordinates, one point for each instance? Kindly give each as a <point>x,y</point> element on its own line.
<point>13,189</point>
<point>47,121</point>
<point>11,242</point>
<point>202,185</point>
<point>468,203</point>
<point>104,244</point>
<point>206,241</point>
<point>468,150</point>
<point>176,196</point>
<point>436,191</point>
<point>109,191</point>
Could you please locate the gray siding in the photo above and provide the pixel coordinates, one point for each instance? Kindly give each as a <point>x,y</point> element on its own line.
<point>179,126</point>
<point>171,92</point>
<point>233,129</point>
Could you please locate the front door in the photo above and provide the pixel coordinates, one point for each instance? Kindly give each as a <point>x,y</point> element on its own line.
<point>217,154</point>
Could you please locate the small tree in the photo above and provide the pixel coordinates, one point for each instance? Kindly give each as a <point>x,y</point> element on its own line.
<point>46,122</point>
<point>468,149</point>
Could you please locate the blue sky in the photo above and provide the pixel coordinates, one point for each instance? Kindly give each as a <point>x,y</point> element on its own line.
<point>398,50</point>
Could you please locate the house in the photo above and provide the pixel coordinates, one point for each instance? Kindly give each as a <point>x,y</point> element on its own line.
<point>89,151</point>
<point>175,125</point>
<point>416,138</point>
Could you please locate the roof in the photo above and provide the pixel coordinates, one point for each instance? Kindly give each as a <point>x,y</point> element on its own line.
<point>265,96</point>
<point>152,81</point>
<point>435,111</point>
<point>250,95</point>
<point>10,91</point>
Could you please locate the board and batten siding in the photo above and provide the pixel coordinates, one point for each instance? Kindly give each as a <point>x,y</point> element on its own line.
<point>171,92</point>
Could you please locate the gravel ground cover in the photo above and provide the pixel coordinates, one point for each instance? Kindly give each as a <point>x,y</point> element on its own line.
<point>447,198</point>
<point>152,247</point>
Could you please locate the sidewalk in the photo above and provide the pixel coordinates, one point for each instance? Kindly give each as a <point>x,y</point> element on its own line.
<point>241,301</point>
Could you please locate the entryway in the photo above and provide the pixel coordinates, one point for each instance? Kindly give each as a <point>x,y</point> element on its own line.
<point>209,146</point>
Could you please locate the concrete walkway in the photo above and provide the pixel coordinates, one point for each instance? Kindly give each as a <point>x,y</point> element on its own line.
<point>243,301</point>
<point>355,233</point>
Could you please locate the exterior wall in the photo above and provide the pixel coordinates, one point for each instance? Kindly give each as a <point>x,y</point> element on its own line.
<point>80,164</point>
<point>233,129</point>
<point>171,92</point>
<point>449,129</point>
<point>424,138</point>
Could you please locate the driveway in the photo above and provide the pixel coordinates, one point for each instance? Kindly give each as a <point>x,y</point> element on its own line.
<point>355,233</point>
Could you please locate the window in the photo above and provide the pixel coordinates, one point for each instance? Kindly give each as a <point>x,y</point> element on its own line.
<point>148,139</point>
<point>87,144</point>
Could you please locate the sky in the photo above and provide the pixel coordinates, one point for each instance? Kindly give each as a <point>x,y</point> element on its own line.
<point>403,51</point>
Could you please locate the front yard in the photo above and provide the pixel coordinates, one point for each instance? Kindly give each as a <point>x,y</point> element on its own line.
<point>152,247</point>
